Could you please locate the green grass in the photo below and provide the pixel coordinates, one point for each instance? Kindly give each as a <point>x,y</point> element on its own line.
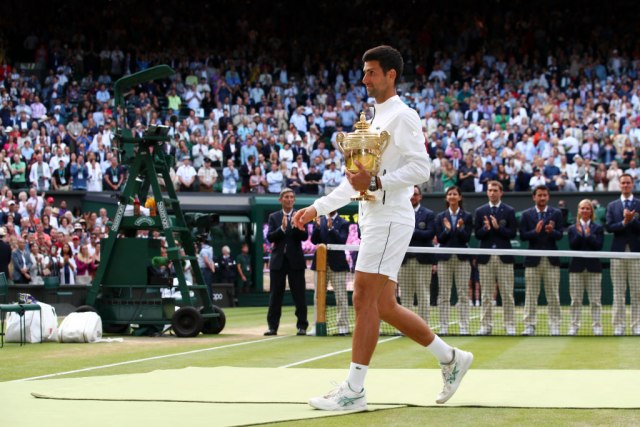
<point>247,324</point>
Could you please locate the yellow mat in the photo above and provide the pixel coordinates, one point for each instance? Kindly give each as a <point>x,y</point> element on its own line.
<point>416,387</point>
<point>240,396</point>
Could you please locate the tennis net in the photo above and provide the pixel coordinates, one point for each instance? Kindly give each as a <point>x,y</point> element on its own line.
<point>472,291</point>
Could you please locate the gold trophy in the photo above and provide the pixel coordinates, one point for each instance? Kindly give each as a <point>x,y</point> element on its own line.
<point>363,146</point>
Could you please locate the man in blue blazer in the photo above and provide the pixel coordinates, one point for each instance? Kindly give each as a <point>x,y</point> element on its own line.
<point>541,226</point>
<point>414,277</point>
<point>622,219</point>
<point>495,226</point>
<point>334,229</point>
<point>21,260</point>
<point>287,260</point>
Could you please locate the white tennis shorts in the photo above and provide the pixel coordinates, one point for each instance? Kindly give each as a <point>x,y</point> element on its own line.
<point>382,248</point>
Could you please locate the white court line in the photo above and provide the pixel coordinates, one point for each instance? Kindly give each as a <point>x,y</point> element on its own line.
<point>93,368</point>
<point>302,362</point>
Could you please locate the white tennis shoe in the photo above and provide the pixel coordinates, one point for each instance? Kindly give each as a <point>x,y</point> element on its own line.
<point>342,398</point>
<point>453,372</point>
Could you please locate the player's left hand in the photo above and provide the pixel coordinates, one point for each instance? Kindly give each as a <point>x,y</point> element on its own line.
<point>304,216</point>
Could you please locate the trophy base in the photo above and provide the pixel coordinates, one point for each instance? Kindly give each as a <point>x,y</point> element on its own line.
<point>364,196</point>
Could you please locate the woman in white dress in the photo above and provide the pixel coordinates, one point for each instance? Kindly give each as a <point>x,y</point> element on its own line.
<point>94,180</point>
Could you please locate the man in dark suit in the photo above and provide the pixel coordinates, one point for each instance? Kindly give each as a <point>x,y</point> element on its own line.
<point>495,226</point>
<point>414,277</point>
<point>334,229</point>
<point>287,260</point>
<point>541,226</point>
<point>5,253</point>
<point>245,173</point>
<point>299,150</point>
<point>623,221</point>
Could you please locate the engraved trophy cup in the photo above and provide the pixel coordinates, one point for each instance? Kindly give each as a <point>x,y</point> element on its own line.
<point>366,147</point>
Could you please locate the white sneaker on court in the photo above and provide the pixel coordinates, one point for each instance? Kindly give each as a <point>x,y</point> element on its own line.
<point>555,330</point>
<point>573,331</point>
<point>453,372</point>
<point>342,398</point>
<point>618,330</point>
<point>464,330</point>
<point>529,331</point>
<point>597,330</point>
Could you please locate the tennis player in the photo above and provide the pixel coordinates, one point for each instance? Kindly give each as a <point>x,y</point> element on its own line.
<point>386,226</point>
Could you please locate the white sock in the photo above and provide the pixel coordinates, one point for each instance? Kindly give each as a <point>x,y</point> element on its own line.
<point>441,350</point>
<point>357,372</point>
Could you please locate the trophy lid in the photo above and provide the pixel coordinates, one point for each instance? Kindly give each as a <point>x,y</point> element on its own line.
<point>362,126</point>
<point>362,136</point>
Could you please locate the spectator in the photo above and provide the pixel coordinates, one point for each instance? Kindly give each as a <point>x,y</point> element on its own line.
<point>275,179</point>
<point>61,177</point>
<point>67,265</point>
<point>467,175</point>
<point>207,176</point>
<point>5,253</point>
<point>186,175</point>
<point>93,175</point>
<point>449,174</point>
<point>40,174</point>
<point>312,180</point>
<point>613,176</point>
<point>488,175</point>
<point>86,266</point>
<point>78,174</point>
<point>331,178</point>
<point>294,182</point>
<point>230,178</point>
<point>257,182</point>
<point>113,176</point>
<point>21,261</point>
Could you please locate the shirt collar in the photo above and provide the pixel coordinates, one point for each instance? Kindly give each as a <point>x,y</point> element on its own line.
<point>622,199</point>
<point>452,213</point>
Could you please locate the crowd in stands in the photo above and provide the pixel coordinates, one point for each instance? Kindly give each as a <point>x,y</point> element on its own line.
<point>48,240</point>
<point>551,97</point>
<point>526,112</point>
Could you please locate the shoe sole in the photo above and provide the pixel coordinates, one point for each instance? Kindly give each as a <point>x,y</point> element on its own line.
<point>340,408</point>
<point>463,372</point>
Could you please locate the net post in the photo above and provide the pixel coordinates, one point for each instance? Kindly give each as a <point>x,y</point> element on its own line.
<point>321,290</point>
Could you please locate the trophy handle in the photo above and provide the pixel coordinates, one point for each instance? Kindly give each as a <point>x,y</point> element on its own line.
<point>339,141</point>
<point>385,139</point>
